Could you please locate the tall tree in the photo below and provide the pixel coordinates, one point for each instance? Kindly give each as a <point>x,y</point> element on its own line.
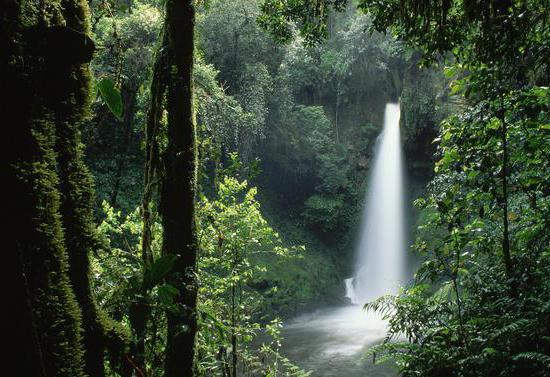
<point>172,91</point>
<point>47,93</point>
<point>45,54</point>
<point>177,205</point>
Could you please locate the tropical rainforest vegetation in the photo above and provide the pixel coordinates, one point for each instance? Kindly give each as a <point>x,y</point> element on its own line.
<point>184,176</point>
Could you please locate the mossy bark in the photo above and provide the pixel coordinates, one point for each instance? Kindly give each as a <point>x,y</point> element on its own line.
<point>80,238</point>
<point>47,315</point>
<point>140,310</point>
<point>178,187</point>
<point>44,61</point>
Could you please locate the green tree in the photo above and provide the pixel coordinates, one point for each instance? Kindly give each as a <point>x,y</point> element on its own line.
<point>172,91</point>
<point>237,248</point>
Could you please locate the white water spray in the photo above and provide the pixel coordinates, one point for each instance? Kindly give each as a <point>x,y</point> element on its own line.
<point>330,341</point>
<point>381,252</point>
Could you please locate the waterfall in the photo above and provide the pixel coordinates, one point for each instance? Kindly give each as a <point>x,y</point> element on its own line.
<point>380,260</point>
<point>344,332</point>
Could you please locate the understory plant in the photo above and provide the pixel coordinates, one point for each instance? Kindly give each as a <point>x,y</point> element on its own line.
<point>237,243</point>
<point>237,337</point>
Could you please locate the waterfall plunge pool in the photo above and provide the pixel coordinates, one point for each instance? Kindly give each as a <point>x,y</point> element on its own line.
<point>333,342</point>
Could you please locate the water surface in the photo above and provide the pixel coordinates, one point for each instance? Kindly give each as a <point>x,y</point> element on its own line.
<point>333,342</point>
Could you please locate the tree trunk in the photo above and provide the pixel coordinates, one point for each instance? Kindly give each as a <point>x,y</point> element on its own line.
<point>140,311</point>
<point>505,226</point>
<point>80,238</point>
<point>53,229</point>
<point>336,112</point>
<point>177,198</point>
<point>76,188</point>
<point>129,94</point>
<point>43,63</point>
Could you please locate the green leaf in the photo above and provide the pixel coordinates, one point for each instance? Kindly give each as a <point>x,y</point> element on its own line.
<point>166,293</point>
<point>158,271</point>
<point>111,96</point>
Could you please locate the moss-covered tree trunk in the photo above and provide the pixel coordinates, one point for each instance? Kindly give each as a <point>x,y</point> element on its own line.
<point>129,96</point>
<point>76,187</point>
<point>45,53</point>
<point>177,201</point>
<point>140,310</point>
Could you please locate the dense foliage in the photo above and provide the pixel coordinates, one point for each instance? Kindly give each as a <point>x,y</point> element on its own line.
<point>229,142</point>
<point>488,315</point>
<point>238,247</point>
<point>485,239</point>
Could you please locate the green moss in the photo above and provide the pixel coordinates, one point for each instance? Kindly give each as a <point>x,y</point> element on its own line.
<point>63,332</point>
<point>76,186</point>
<point>50,302</point>
<point>299,284</point>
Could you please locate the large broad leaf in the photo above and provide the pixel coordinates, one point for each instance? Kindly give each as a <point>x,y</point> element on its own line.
<point>158,271</point>
<point>166,294</point>
<point>111,96</point>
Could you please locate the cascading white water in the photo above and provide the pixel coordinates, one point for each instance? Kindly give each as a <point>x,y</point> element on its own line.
<point>381,252</point>
<point>332,341</point>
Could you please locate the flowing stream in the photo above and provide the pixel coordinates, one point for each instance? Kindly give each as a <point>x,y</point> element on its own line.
<point>333,341</point>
